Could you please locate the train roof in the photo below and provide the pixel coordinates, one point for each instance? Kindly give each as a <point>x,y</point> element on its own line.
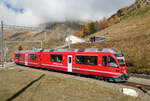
<point>108,50</point>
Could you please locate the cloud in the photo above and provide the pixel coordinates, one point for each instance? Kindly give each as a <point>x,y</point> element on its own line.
<point>40,11</point>
<point>9,6</point>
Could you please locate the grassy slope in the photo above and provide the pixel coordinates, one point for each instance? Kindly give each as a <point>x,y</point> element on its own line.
<point>53,88</point>
<point>131,36</point>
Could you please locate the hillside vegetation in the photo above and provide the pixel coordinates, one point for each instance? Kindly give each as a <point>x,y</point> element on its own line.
<point>131,36</point>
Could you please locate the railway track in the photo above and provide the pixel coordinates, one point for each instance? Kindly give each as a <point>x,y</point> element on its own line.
<point>133,84</point>
<point>143,87</point>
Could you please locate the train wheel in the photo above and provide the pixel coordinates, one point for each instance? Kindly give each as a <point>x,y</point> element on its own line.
<point>97,77</point>
<point>105,79</point>
<point>108,79</point>
<point>100,78</point>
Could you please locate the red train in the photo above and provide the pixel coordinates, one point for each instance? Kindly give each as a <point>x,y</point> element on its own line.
<point>105,63</point>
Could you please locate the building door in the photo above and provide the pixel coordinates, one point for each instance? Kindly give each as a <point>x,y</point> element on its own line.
<point>26,59</point>
<point>69,63</point>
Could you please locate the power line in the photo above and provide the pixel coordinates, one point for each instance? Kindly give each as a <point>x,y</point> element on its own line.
<point>30,28</point>
<point>28,41</point>
<point>22,27</point>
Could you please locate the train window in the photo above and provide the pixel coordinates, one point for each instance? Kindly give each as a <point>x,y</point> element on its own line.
<point>112,62</point>
<point>33,56</point>
<point>18,56</point>
<point>69,59</point>
<point>86,60</point>
<point>104,60</point>
<point>56,58</point>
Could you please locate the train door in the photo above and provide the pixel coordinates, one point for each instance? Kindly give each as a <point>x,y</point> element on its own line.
<point>40,59</point>
<point>105,65</point>
<point>69,63</point>
<point>26,59</point>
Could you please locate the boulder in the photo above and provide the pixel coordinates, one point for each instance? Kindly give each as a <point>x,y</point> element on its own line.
<point>130,92</point>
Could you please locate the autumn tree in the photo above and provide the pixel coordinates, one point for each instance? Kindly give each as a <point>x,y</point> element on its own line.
<point>103,23</point>
<point>87,28</point>
<point>79,33</point>
<point>85,31</point>
<point>122,12</point>
<point>116,19</point>
<point>110,21</point>
<point>100,24</point>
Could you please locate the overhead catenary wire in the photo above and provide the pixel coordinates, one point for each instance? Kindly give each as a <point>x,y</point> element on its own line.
<point>30,28</point>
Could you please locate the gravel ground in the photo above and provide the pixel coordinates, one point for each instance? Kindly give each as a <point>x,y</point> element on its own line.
<point>115,86</point>
<point>141,75</point>
<point>139,80</point>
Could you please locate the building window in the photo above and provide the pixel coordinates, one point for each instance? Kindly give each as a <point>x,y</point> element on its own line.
<point>104,61</point>
<point>33,57</point>
<point>56,58</point>
<point>18,56</point>
<point>86,60</point>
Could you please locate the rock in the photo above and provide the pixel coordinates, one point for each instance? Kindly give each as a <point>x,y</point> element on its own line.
<point>130,92</point>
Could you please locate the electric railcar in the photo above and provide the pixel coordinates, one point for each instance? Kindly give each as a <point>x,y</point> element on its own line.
<point>104,63</point>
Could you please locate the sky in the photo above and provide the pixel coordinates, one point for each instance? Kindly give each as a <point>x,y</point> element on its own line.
<point>35,12</point>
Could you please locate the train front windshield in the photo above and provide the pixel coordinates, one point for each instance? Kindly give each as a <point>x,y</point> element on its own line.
<point>121,61</point>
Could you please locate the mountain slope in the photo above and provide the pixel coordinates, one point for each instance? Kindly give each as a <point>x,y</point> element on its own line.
<point>52,40</point>
<point>131,36</point>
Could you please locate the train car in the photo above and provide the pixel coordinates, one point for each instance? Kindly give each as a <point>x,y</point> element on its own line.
<point>19,57</point>
<point>27,57</point>
<point>105,63</point>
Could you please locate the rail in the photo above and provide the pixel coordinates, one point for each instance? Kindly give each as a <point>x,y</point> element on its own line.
<point>143,87</point>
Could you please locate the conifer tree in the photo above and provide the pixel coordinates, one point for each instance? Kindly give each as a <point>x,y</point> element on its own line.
<point>20,47</point>
<point>85,31</point>
<point>92,28</point>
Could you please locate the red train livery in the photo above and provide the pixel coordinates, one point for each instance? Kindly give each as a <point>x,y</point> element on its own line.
<point>104,63</point>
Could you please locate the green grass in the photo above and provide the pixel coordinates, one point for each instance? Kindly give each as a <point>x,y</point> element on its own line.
<point>53,88</point>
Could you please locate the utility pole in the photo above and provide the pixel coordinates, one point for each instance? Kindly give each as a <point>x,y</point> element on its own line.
<point>69,41</point>
<point>45,35</point>
<point>2,44</point>
<point>41,44</point>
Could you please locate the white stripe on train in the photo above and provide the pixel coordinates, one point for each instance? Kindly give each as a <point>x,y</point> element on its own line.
<point>76,68</point>
<point>84,69</point>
